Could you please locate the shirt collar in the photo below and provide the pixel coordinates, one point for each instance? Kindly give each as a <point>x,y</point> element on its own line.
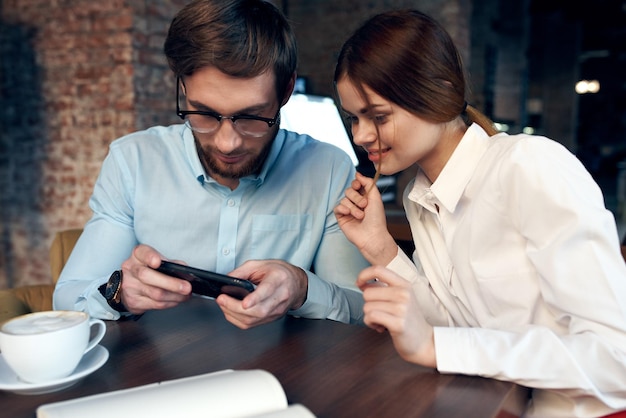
<point>258,179</point>
<point>449,186</point>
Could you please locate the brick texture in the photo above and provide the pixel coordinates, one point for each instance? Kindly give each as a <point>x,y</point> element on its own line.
<point>322,26</point>
<point>74,75</point>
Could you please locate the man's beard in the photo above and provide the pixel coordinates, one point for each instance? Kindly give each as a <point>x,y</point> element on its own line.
<point>214,169</point>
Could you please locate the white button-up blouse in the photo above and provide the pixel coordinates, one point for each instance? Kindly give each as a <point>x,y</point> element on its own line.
<point>517,264</point>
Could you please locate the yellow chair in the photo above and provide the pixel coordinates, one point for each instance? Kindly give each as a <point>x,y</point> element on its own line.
<point>61,249</point>
<point>35,298</point>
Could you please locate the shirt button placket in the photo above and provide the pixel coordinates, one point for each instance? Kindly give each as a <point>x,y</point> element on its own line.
<point>227,234</point>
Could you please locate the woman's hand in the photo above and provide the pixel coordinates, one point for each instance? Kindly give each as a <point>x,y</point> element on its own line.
<point>390,304</point>
<point>361,217</point>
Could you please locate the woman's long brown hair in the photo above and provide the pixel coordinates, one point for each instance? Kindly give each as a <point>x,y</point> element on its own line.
<point>409,59</point>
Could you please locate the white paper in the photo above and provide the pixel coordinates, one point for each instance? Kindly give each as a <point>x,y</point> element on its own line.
<point>293,411</point>
<point>227,394</point>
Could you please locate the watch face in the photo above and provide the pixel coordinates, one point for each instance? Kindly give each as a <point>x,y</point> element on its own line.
<point>113,285</point>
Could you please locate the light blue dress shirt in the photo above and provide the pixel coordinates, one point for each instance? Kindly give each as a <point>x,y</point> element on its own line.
<point>153,190</point>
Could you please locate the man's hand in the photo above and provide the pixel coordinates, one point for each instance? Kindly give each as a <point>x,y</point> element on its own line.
<point>280,287</point>
<point>144,288</point>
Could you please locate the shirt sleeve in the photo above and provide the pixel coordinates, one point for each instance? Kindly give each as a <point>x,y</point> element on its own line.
<point>332,291</point>
<point>103,245</point>
<point>433,310</point>
<point>336,297</point>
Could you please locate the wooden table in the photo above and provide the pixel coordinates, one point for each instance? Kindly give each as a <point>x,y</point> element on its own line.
<point>334,369</point>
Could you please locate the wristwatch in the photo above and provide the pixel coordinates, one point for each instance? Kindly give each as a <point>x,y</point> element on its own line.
<point>111,291</point>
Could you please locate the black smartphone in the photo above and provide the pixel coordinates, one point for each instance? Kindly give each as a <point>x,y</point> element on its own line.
<point>208,283</point>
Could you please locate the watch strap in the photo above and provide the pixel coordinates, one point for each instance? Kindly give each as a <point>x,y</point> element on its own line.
<point>111,291</point>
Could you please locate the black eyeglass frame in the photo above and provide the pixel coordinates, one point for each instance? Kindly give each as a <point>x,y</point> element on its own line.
<point>183,113</point>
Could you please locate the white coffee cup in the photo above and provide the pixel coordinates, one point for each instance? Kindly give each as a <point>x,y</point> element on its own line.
<point>45,346</point>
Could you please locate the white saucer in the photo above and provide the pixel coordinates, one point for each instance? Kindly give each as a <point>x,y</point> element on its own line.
<point>91,362</point>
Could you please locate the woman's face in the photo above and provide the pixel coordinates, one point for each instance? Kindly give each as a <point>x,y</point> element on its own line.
<point>405,139</point>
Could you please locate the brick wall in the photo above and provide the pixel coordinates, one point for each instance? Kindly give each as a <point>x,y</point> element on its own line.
<point>154,83</point>
<point>76,74</point>
<point>322,26</point>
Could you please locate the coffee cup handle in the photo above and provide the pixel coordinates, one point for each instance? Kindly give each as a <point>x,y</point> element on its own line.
<point>99,334</point>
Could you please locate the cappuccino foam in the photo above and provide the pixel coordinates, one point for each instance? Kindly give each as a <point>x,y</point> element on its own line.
<point>41,323</point>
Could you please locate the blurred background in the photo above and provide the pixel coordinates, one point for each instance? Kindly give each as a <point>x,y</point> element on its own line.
<point>77,74</point>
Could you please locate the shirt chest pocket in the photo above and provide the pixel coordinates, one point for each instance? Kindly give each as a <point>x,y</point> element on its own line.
<point>286,237</point>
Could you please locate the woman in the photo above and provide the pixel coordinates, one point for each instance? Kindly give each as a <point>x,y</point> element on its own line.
<point>517,273</point>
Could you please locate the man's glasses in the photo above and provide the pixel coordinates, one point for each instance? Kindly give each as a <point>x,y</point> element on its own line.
<point>206,122</point>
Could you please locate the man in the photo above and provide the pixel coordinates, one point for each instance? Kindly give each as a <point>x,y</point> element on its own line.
<point>225,191</point>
